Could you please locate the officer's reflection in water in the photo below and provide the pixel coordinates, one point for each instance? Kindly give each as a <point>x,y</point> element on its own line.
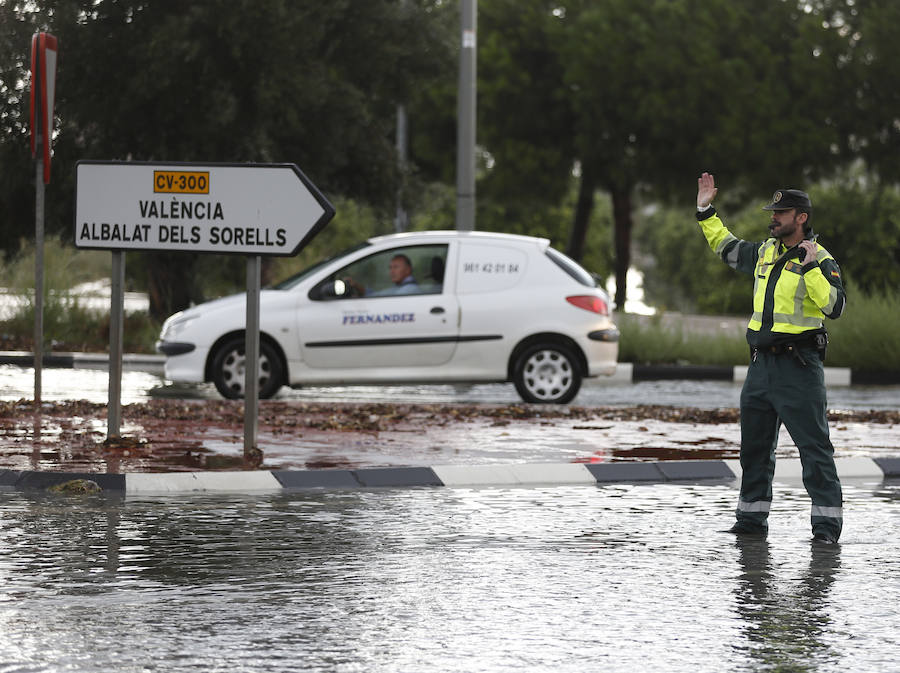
<point>787,621</point>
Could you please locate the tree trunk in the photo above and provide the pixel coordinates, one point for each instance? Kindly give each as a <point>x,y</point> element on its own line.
<point>170,280</point>
<point>621,205</point>
<point>267,272</point>
<point>583,208</point>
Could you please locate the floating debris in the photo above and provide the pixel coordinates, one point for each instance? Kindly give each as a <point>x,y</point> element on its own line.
<point>76,486</point>
<point>186,435</point>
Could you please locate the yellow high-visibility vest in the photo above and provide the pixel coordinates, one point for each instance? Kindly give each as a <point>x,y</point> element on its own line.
<point>799,301</point>
<point>789,296</point>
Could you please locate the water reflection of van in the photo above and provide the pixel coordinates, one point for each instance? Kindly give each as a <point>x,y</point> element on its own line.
<point>473,307</point>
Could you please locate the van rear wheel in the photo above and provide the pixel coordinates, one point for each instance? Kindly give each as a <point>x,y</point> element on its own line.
<point>547,373</point>
<point>228,369</point>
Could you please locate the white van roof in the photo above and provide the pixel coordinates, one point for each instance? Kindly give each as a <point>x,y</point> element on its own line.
<point>412,236</point>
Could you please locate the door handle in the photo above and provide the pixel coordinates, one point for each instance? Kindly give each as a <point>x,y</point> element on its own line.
<point>437,309</point>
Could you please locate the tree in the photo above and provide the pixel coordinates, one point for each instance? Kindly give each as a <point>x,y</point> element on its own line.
<point>17,177</point>
<point>871,125</point>
<point>855,217</point>
<point>854,220</point>
<point>306,82</point>
<point>872,100</point>
<point>642,95</point>
<point>854,206</point>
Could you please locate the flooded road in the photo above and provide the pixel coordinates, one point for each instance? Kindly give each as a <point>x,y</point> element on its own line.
<point>616,577</point>
<point>140,386</point>
<point>613,578</point>
<point>191,428</point>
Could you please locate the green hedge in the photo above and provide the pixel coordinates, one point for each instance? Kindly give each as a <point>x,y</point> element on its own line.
<point>865,338</point>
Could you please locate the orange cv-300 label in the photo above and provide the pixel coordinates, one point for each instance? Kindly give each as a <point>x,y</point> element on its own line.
<point>181,182</point>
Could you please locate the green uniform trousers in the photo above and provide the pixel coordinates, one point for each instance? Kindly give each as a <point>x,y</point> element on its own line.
<point>779,389</point>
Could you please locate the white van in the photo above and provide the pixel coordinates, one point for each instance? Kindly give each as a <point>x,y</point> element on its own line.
<point>473,307</point>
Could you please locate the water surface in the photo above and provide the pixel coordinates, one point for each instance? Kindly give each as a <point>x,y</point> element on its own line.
<point>619,578</point>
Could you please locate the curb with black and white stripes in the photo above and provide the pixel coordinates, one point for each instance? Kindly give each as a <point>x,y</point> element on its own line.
<point>834,376</point>
<point>154,364</point>
<point>454,476</point>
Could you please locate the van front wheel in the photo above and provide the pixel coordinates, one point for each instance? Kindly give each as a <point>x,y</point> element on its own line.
<point>228,369</point>
<point>547,373</point>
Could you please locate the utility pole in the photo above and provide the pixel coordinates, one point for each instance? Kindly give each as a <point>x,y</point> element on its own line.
<point>465,124</point>
<point>401,220</point>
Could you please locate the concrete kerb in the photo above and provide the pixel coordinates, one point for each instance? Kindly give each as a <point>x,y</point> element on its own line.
<point>625,371</point>
<point>153,364</point>
<point>453,476</point>
<point>446,475</point>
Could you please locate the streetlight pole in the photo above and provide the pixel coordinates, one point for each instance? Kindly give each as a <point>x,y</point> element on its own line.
<point>401,220</point>
<point>465,129</point>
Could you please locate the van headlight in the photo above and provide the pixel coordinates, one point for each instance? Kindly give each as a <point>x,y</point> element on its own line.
<point>175,326</point>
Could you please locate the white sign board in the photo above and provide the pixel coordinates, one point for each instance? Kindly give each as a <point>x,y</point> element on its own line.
<point>252,209</point>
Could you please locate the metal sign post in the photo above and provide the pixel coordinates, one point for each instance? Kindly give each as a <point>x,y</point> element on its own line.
<point>116,334</point>
<point>251,358</point>
<point>248,209</point>
<point>44,49</point>
<point>38,281</point>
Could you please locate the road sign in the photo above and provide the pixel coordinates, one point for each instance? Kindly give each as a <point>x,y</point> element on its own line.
<point>44,48</point>
<point>252,209</point>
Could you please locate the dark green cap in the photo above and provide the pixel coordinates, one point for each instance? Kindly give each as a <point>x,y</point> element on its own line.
<point>785,199</point>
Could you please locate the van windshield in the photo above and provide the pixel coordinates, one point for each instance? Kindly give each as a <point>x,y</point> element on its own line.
<point>300,276</point>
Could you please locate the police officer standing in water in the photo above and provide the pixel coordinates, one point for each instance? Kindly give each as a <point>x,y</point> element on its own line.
<point>796,284</point>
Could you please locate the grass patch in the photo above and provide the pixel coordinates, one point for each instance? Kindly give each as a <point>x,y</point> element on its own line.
<point>649,341</point>
<point>70,327</point>
<point>64,266</point>
<point>865,339</point>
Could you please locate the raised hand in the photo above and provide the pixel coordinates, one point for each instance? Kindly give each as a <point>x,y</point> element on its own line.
<point>706,190</point>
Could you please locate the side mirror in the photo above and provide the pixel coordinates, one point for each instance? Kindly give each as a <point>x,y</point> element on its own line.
<point>329,289</point>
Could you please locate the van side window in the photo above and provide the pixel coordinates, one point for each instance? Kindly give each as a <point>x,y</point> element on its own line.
<point>571,267</point>
<point>408,270</point>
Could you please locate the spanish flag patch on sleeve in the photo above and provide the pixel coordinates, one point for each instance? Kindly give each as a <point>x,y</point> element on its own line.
<point>835,274</point>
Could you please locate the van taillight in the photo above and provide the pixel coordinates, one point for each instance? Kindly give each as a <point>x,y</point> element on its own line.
<point>589,303</point>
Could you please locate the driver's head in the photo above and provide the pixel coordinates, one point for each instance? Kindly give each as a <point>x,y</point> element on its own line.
<point>399,268</point>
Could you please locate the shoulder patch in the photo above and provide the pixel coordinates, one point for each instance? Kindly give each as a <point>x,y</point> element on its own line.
<point>835,274</point>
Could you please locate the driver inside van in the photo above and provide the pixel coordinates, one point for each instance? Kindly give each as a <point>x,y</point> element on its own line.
<point>400,272</point>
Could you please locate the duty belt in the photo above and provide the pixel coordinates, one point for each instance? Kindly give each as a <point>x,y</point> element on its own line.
<point>780,349</point>
<point>819,341</point>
